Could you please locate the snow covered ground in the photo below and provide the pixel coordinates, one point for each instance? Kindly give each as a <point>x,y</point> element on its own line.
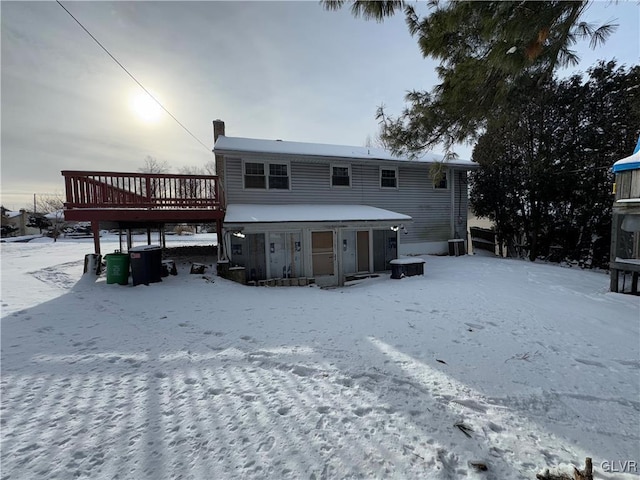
<point>515,365</point>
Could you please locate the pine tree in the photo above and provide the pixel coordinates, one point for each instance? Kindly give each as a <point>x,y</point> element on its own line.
<point>485,50</point>
<point>545,178</point>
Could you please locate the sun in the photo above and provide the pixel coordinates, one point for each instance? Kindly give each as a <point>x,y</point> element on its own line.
<point>146,108</point>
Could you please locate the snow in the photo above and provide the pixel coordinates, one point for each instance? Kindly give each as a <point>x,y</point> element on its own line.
<point>407,261</point>
<point>197,377</point>
<point>225,145</point>
<point>144,248</point>
<point>631,162</point>
<point>254,213</point>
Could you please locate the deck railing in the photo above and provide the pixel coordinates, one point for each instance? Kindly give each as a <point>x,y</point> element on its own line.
<point>142,191</point>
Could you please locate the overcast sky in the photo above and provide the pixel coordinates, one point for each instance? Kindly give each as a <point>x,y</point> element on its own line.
<point>272,70</point>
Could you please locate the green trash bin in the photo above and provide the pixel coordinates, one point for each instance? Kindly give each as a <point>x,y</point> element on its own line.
<point>117,268</point>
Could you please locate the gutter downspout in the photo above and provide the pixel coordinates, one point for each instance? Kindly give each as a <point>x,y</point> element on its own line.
<point>452,179</point>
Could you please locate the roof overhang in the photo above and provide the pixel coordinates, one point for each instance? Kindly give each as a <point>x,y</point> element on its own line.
<point>252,216</point>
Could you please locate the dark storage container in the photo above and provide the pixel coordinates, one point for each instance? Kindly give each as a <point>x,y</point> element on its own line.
<point>456,247</point>
<point>93,263</point>
<point>407,267</point>
<point>146,264</point>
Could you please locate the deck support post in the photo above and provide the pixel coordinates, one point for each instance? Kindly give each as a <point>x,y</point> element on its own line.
<point>95,229</point>
<point>613,286</point>
<point>220,242</point>
<point>148,235</point>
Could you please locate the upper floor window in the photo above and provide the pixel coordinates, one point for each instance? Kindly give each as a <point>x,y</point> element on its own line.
<point>254,175</point>
<point>278,176</point>
<point>340,176</point>
<point>257,173</point>
<point>443,182</point>
<point>388,178</point>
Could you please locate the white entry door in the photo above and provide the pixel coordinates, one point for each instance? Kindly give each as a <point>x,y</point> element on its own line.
<point>285,255</point>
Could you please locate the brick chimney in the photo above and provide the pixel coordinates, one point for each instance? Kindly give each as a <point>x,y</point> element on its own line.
<point>218,129</point>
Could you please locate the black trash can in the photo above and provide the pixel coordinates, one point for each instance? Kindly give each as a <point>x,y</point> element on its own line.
<point>146,264</point>
<point>456,247</point>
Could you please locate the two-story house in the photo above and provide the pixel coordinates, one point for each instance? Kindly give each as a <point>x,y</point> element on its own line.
<point>328,211</point>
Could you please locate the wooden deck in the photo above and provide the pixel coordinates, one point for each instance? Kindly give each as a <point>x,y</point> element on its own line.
<point>129,199</point>
<point>142,197</point>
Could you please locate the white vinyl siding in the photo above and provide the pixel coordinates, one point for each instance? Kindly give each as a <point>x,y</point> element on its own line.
<point>309,183</point>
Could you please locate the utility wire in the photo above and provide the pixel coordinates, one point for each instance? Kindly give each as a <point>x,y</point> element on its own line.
<point>132,77</point>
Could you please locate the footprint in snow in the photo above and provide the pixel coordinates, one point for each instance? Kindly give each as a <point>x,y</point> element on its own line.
<point>267,444</point>
<point>362,411</point>
<point>591,363</point>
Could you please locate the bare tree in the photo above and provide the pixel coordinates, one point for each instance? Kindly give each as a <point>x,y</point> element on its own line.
<point>197,187</point>
<point>153,165</point>
<point>51,205</point>
<point>210,168</point>
<point>375,141</point>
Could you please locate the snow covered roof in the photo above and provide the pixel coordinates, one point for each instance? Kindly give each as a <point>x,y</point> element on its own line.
<point>629,163</point>
<point>238,144</point>
<point>251,213</point>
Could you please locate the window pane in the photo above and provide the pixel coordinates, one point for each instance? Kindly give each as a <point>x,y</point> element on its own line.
<point>340,181</point>
<point>254,168</point>
<point>254,175</point>
<point>388,182</point>
<point>388,178</point>
<point>277,169</point>
<point>254,181</point>
<point>340,176</point>
<point>279,183</point>
<point>278,177</point>
<point>442,183</point>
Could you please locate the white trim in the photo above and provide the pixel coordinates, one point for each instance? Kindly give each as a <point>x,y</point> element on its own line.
<point>266,164</point>
<point>395,169</point>
<point>340,165</point>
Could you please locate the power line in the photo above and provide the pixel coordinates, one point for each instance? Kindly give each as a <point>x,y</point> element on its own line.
<point>132,77</point>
